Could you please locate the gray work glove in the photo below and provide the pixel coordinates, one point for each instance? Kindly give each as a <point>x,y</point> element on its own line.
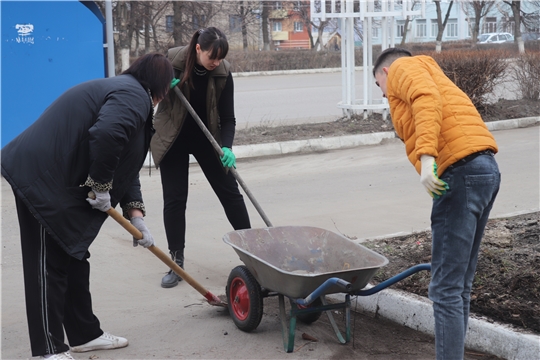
<point>147,239</point>
<point>101,202</point>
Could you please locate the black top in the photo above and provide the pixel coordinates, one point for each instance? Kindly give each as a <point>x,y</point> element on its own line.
<point>197,100</point>
<point>102,129</point>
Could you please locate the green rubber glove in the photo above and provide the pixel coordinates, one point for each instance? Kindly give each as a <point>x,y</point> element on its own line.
<point>228,159</point>
<point>174,82</point>
<point>428,177</point>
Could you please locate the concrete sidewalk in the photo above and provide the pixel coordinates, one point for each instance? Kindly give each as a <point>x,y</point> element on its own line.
<point>406,309</point>
<point>364,192</point>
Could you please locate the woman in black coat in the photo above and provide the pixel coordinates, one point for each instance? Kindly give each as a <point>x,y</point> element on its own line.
<point>95,136</point>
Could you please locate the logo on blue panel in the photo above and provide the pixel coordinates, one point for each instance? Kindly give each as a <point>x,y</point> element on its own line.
<point>26,33</point>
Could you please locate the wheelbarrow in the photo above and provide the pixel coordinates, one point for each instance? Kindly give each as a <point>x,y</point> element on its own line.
<point>303,264</point>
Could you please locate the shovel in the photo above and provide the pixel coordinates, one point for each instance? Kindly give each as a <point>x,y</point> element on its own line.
<point>212,299</point>
<point>220,152</point>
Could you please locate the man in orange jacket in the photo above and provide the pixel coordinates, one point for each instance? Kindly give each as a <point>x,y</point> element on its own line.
<point>453,151</point>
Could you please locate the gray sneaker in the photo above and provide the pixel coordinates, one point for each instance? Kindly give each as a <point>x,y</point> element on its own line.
<point>172,279</point>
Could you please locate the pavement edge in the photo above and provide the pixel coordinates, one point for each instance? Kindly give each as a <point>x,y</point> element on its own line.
<point>416,312</point>
<point>350,141</point>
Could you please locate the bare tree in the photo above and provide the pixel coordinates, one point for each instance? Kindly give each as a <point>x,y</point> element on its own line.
<point>246,12</point>
<point>122,25</point>
<point>408,20</point>
<point>179,30</point>
<point>476,10</point>
<point>441,24</point>
<point>266,5</point>
<point>530,20</point>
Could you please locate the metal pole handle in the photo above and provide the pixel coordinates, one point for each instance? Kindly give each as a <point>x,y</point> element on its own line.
<point>220,152</point>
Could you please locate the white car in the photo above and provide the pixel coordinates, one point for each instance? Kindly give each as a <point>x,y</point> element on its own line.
<point>495,38</point>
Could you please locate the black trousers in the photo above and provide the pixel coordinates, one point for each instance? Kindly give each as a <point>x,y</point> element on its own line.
<point>57,290</point>
<point>174,179</point>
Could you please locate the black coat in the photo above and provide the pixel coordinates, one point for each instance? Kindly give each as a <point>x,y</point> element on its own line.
<point>102,129</point>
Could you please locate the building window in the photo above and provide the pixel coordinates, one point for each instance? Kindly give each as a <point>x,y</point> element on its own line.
<point>169,23</point>
<point>298,26</point>
<point>421,28</point>
<point>452,28</point>
<point>276,26</point>
<point>278,6</point>
<point>490,25</point>
<point>509,27</point>
<point>434,28</point>
<point>235,23</point>
<point>400,30</point>
<point>375,33</point>
<point>199,21</point>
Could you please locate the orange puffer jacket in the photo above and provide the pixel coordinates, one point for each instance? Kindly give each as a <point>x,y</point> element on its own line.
<point>432,115</point>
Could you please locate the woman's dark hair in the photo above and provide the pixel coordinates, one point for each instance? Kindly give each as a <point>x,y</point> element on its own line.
<point>154,71</point>
<point>210,39</point>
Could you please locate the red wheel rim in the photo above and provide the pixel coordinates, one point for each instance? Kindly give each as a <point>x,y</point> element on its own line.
<point>239,296</point>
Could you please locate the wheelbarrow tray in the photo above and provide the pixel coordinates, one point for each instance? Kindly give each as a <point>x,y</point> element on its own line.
<point>296,260</point>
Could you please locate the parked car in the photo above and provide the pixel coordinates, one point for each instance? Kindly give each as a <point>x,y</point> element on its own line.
<point>530,37</point>
<point>495,38</point>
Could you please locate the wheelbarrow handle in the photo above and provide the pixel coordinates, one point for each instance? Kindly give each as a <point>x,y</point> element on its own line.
<point>342,284</point>
<point>220,152</point>
<point>388,282</point>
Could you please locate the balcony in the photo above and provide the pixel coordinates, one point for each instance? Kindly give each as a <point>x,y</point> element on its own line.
<point>278,14</point>
<point>280,35</point>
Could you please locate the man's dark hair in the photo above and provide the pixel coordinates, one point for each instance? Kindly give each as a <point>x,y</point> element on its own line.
<point>387,57</point>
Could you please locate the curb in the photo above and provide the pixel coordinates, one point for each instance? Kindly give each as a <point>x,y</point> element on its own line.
<point>342,142</point>
<point>416,312</point>
<point>287,72</point>
<point>349,141</point>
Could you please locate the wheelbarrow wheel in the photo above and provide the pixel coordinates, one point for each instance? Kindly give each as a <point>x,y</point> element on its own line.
<point>244,299</point>
<point>310,317</point>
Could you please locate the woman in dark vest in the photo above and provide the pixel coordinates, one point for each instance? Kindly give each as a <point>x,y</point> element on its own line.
<point>95,136</point>
<point>206,81</point>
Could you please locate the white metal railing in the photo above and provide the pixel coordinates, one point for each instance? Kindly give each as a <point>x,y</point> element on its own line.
<point>346,11</point>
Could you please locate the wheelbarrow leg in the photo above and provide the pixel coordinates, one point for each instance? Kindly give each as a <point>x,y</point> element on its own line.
<point>347,320</point>
<point>288,334</point>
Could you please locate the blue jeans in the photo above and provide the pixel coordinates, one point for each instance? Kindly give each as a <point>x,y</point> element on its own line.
<point>458,219</point>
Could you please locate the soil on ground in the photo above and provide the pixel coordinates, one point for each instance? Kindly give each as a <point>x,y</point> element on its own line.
<point>356,124</point>
<point>506,288</point>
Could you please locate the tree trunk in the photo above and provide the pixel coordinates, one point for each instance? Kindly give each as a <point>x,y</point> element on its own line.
<point>147,28</point>
<point>122,26</point>
<point>405,30</point>
<point>244,26</point>
<point>264,24</point>
<point>178,32</point>
<point>516,10</point>
<point>441,25</point>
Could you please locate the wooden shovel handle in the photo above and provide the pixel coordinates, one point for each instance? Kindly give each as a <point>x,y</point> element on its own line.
<point>157,251</point>
<point>212,299</point>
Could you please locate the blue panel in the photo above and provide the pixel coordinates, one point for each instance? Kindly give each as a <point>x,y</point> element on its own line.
<point>47,47</point>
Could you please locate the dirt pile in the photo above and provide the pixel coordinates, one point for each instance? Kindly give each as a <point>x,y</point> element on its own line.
<point>506,286</point>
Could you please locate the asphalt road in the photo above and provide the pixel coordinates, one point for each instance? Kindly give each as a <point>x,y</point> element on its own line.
<point>364,192</point>
<point>292,98</point>
<point>295,98</point>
